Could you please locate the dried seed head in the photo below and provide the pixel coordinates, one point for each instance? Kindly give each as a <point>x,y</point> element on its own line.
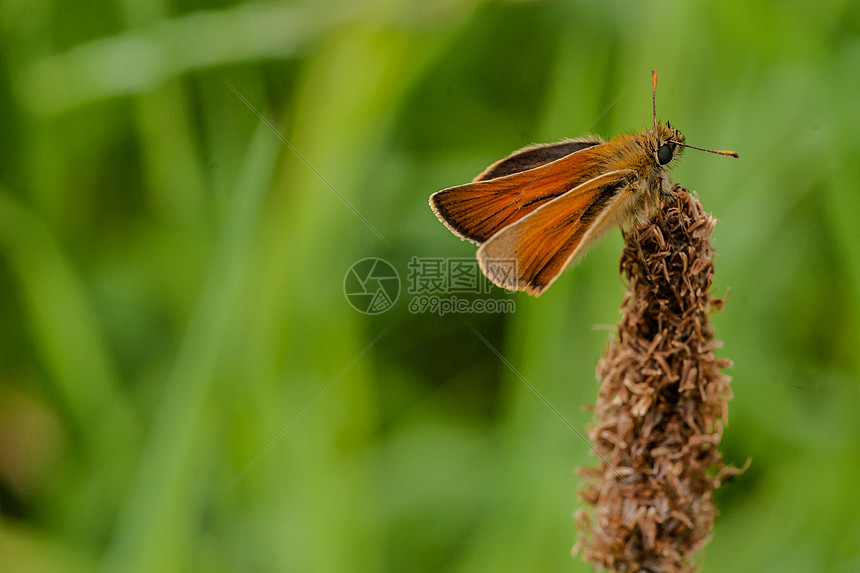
<point>662,405</point>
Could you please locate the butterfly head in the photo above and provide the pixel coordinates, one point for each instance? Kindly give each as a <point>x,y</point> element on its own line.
<point>664,143</point>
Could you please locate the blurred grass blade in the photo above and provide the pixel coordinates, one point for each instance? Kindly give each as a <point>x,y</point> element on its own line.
<point>65,328</point>
<point>150,523</point>
<point>135,62</point>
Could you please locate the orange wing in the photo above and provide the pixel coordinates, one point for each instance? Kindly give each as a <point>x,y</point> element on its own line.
<point>536,155</point>
<point>545,242</point>
<point>504,193</point>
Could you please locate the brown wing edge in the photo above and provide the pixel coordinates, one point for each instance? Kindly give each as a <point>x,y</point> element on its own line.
<point>442,214</point>
<point>533,156</point>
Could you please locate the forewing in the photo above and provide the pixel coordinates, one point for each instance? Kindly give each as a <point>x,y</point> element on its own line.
<point>535,156</point>
<point>543,243</point>
<point>478,210</point>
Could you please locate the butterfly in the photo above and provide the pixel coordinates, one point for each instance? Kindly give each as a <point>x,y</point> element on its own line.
<point>536,211</point>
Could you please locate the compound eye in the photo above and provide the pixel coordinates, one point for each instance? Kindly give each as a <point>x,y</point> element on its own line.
<point>664,154</point>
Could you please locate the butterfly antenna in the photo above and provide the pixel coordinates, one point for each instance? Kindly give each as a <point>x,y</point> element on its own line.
<point>717,151</point>
<point>654,95</point>
<point>654,107</point>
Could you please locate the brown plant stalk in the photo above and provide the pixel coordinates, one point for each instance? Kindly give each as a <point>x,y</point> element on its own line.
<point>662,405</point>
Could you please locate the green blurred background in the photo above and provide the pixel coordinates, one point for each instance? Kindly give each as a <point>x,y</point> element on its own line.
<point>171,279</point>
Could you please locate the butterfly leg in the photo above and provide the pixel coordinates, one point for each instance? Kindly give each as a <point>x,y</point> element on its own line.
<point>680,208</point>
<point>634,235</point>
<point>673,195</point>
